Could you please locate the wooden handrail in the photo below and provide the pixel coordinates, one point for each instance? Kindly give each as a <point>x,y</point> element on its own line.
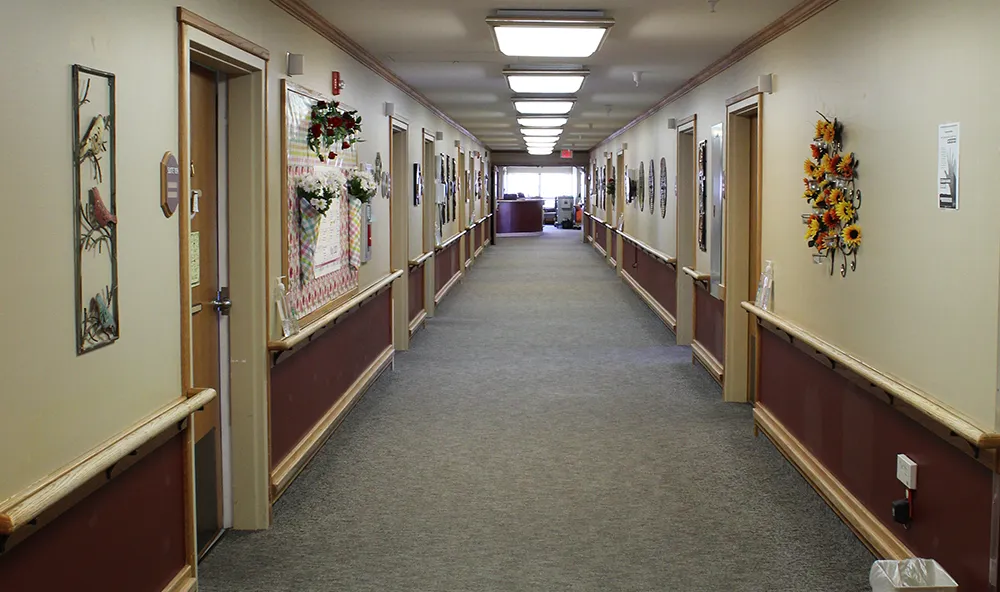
<point>23,508</point>
<point>610,227</point>
<point>421,259</point>
<point>916,399</point>
<point>696,275</point>
<point>448,242</point>
<point>655,254</point>
<point>480,221</point>
<point>331,317</point>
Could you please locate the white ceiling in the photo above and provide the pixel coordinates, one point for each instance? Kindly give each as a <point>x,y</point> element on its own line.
<point>445,50</point>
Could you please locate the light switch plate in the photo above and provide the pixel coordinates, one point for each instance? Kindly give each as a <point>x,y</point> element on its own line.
<point>906,471</point>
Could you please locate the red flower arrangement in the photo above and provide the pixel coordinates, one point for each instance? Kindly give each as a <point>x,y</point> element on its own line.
<point>330,127</point>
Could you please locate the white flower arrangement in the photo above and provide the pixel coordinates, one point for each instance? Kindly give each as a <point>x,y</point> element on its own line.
<point>361,185</point>
<point>320,188</point>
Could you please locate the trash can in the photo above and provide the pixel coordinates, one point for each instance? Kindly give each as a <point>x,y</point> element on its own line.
<point>910,574</point>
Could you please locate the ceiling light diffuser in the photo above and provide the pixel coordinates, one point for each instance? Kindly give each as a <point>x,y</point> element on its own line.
<point>545,81</point>
<point>534,152</point>
<point>542,121</point>
<point>538,131</point>
<point>557,34</point>
<point>541,146</point>
<point>535,107</point>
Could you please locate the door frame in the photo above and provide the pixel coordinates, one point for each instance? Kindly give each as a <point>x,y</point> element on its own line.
<point>399,233</point>
<point>428,214</point>
<point>685,225</point>
<point>741,251</point>
<point>246,64</point>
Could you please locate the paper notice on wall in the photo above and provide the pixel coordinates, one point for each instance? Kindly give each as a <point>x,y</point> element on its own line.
<point>194,249</point>
<point>948,144</point>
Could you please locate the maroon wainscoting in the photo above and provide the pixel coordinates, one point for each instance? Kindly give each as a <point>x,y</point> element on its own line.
<point>857,437</point>
<point>655,276</point>
<point>709,322</point>
<point>601,234</point>
<point>588,225</point>
<point>127,535</point>
<point>308,382</point>
<point>477,234</point>
<point>446,265</point>
<point>416,289</point>
<point>613,236</point>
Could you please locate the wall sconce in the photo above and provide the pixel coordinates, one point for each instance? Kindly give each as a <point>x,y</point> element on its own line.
<point>458,144</point>
<point>390,109</point>
<point>296,63</point>
<point>336,84</point>
<point>439,136</point>
<point>671,123</point>
<point>765,83</point>
<point>624,145</point>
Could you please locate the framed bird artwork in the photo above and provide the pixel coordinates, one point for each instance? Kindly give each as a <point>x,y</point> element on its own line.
<point>95,208</point>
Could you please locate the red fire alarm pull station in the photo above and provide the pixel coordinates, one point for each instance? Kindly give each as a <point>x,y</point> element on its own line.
<point>336,83</point>
<point>566,154</point>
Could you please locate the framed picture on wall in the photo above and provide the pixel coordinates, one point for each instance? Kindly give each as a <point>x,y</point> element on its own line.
<point>418,184</point>
<point>702,195</point>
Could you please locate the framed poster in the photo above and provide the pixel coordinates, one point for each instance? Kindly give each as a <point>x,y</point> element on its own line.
<point>663,187</point>
<point>702,182</point>
<point>652,186</point>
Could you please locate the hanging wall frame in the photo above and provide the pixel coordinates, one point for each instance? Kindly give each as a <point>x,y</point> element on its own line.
<point>95,226</point>
<point>652,186</point>
<point>642,186</point>
<point>702,194</point>
<point>663,187</point>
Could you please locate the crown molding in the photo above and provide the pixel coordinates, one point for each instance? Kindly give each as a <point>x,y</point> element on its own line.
<point>315,21</point>
<point>786,22</point>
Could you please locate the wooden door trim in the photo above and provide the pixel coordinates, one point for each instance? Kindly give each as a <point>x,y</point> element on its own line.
<point>255,509</point>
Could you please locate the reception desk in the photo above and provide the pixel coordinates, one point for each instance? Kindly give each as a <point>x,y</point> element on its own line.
<point>519,216</point>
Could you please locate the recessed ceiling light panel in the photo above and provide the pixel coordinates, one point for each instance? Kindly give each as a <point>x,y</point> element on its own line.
<point>539,107</point>
<point>549,34</point>
<point>542,121</point>
<point>546,81</point>
<point>538,131</point>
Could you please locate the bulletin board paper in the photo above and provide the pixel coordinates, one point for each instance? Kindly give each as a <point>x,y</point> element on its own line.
<point>333,276</point>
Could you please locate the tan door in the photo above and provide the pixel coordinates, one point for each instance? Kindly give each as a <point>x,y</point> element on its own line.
<point>204,293</point>
<point>755,263</point>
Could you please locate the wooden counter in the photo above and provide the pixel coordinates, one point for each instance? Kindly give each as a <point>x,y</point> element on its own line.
<point>519,216</point>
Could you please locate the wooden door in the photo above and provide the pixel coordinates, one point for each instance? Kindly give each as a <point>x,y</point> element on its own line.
<point>755,263</point>
<point>204,316</point>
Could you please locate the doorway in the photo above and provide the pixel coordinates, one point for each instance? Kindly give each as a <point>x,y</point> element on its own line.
<point>742,263</point>
<point>399,206</point>
<point>210,302</point>
<point>684,193</point>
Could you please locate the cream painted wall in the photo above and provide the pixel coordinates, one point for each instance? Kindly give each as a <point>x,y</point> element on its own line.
<point>923,303</point>
<point>56,405</point>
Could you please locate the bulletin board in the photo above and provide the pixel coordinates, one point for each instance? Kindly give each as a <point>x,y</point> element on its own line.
<point>333,277</point>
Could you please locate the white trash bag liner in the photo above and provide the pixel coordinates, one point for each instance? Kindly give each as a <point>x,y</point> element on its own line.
<point>910,574</point>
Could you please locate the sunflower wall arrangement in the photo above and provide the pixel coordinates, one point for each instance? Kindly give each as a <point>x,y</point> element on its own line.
<point>830,189</point>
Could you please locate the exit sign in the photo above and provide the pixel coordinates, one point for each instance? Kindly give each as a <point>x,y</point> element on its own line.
<point>566,154</point>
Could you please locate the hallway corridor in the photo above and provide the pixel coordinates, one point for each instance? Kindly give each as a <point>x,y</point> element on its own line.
<point>544,433</point>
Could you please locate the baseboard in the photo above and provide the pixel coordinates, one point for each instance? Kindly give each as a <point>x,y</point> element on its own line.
<point>417,321</point>
<point>664,314</point>
<point>444,289</point>
<point>183,582</point>
<point>290,467</point>
<point>707,360</point>
<point>612,262</point>
<point>600,249</point>
<point>516,234</point>
<point>872,532</point>
<point>480,250</point>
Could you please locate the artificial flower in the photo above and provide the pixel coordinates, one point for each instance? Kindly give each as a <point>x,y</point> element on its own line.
<point>332,155</point>
<point>345,145</point>
<point>830,218</point>
<point>826,165</point>
<point>830,133</point>
<point>361,185</point>
<point>812,228</point>
<point>821,128</point>
<point>845,212</point>
<point>821,241</point>
<point>822,199</point>
<point>817,152</point>
<point>852,236</point>
<point>810,168</point>
<point>836,196</point>
<point>846,166</point>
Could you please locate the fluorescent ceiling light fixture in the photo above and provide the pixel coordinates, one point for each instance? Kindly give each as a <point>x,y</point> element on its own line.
<point>550,146</point>
<point>542,121</point>
<point>536,107</point>
<point>539,151</point>
<point>557,34</point>
<point>538,131</point>
<point>545,81</point>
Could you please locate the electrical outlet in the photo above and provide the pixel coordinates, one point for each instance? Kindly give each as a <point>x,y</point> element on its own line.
<point>906,471</point>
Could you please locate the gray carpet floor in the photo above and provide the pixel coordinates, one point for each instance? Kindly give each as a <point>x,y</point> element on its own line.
<point>545,433</point>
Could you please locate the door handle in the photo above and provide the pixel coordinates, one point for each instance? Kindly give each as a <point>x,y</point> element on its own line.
<point>223,303</point>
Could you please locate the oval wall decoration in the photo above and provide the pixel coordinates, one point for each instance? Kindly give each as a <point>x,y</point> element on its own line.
<point>663,187</point>
<point>652,186</point>
<point>642,188</point>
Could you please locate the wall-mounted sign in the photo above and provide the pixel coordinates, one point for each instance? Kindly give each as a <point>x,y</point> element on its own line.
<point>170,184</point>
<point>948,138</point>
<point>194,250</point>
